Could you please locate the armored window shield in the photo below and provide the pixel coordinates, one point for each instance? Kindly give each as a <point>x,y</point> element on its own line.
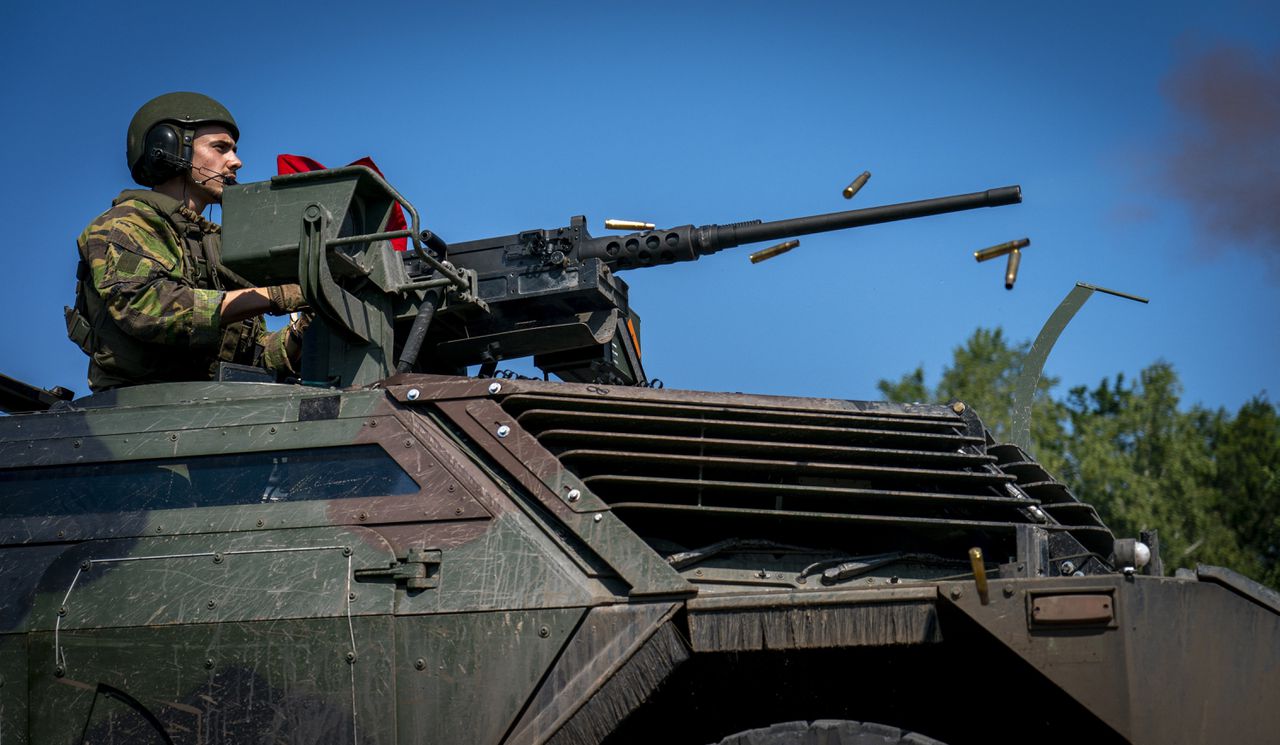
<point>261,234</point>
<point>203,481</point>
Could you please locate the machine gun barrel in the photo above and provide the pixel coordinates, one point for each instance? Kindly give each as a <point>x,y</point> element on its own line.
<point>687,243</point>
<point>779,229</point>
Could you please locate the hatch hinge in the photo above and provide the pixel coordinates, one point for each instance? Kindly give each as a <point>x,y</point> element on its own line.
<point>418,570</point>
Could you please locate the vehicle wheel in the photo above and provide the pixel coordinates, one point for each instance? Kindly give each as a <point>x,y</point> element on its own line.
<point>828,732</point>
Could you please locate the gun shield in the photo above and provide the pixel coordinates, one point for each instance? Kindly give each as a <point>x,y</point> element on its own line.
<point>772,251</point>
<point>856,184</point>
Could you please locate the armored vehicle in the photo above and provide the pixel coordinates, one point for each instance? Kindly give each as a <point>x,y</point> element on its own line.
<point>392,551</point>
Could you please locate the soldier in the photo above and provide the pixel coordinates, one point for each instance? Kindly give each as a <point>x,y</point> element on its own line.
<point>153,301</point>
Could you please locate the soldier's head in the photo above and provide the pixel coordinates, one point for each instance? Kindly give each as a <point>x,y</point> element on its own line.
<point>184,144</point>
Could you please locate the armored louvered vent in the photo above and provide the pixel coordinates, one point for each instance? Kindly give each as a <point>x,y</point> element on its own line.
<point>695,468</point>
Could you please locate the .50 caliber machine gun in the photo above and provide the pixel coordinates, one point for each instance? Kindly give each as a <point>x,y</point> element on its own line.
<point>550,294</point>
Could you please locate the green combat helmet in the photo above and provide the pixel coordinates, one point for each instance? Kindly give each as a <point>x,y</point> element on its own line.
<point>161,134</point>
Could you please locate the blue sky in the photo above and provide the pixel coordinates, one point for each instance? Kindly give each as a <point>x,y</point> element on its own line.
<point>494,118</point>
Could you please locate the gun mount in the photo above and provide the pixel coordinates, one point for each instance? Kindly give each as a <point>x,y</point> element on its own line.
<point>550,294</point>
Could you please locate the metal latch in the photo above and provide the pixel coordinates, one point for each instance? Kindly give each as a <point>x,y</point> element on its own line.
<point>418,570</point>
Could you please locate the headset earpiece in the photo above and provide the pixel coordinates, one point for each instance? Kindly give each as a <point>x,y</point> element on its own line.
<point>167,153</point>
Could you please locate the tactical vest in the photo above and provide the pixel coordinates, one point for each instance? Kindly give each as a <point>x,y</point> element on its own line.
<point>117,359</point>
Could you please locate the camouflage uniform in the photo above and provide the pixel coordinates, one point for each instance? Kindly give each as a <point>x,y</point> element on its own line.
<point>148,297</point>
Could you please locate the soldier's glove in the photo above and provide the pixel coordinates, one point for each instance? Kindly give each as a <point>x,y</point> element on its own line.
<point>285,299</point>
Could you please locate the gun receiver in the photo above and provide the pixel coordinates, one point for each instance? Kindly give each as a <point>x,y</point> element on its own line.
<point>550,294</point>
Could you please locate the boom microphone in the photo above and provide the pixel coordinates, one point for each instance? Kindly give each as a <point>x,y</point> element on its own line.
<point>228,179</point>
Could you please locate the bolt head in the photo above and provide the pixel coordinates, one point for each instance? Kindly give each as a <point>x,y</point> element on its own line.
<point>574,495</point>
<point>598,517</point>
<point>958,407</point>
<point>495,388</point>
<point>413,394</point>
<point>503,430</point>
<point>544,632</point>
<point>420,664</point>
<point>955,593</point>
<point>1008,591</point>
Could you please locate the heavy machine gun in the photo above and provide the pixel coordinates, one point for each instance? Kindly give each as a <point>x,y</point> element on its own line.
<point>550,294</point>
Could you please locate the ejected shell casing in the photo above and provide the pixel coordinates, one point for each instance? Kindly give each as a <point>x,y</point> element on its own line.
<point>772,251</point>
<point>1011,271</point>
<point>1001,250</point>
<point>627,225</point>
<point>979,574</point>
<point>856,184</point>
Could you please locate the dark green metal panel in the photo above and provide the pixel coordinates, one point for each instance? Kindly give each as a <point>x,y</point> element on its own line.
<point>212,578</point>
<point>230,683</point>
<point>13,689</point>
<point>465,677</point>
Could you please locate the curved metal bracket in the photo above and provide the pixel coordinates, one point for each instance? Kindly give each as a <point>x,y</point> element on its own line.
<point>1024,388</point>
<point>344,312</point>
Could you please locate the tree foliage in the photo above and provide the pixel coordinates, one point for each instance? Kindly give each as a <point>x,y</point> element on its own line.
<point>1208,480</point>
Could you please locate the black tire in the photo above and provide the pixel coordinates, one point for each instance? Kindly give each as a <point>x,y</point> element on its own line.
<point>828,732</point>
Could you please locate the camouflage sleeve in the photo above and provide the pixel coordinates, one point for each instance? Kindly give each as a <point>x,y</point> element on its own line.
<point>136,268</point>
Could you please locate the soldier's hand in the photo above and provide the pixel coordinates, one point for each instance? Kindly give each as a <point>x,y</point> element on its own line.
<point>285,299</point>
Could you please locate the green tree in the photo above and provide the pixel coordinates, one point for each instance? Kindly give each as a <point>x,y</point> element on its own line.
<point>1246,450</point>
<point>1145,464</point>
